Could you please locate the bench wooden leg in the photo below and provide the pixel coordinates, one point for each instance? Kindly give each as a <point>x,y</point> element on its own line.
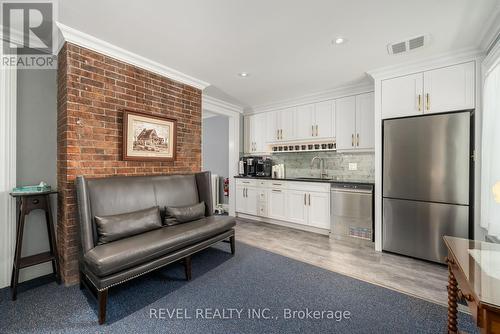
<point>232,242</point>
<point>187,267</point>
<point>102,299</point>
<point>82,285</point>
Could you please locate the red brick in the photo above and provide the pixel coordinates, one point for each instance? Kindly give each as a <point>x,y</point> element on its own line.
<point>95,88</point>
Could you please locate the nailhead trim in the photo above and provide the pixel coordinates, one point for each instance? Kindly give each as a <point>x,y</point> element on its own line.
<point>153,269</point>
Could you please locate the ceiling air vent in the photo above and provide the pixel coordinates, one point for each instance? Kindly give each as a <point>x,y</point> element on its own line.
<point>408,45</point>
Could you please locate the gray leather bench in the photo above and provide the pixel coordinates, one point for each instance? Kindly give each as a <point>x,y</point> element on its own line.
<point>104,264</point>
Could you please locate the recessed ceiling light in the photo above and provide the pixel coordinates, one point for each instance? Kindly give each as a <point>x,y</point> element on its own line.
<point>339,40</point>
<point>243,74</point>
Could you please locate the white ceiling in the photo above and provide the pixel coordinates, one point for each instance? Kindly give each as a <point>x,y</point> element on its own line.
<point>285,45</point>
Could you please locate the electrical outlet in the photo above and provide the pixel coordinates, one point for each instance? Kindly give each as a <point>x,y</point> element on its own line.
<point>353,166</point>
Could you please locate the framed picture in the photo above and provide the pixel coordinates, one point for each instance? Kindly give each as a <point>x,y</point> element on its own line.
<point>147,137</point>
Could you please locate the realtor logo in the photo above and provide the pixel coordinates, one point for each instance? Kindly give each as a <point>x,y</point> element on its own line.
<point>28,34</point>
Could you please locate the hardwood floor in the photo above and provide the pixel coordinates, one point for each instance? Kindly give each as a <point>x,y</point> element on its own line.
<point>414,277</point>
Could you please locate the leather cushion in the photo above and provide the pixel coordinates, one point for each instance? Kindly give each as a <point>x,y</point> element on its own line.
<point>115,227</point>
<point>184,214</point>
<point>122,254</point>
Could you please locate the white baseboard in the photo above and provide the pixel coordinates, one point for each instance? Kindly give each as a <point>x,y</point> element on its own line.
<point>285,223</point>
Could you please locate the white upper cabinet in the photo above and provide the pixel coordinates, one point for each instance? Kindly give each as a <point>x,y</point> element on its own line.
<point>255,133</point>
<point>304,121</point>
<point>355,119</point>
<point>286,124</point>
<point>345,113</point>
<point>324,119</point>
<point>280,124</point>
<point>402,96</point>
<point>449,88</point>
<point>365,121</point>
<point>272,128</point>
<point>444,89</point>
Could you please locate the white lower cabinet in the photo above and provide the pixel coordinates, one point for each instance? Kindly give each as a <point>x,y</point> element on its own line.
<point>319,209</point>
<point>301,203</point>
<point>246,199</point>
<point>277,204</point>
<point>296,201</point>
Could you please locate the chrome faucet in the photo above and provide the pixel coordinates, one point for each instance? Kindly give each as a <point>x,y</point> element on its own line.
<point>322,173</point>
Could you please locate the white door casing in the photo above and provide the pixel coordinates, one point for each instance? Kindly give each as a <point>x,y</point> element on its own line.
<point>8,82</point>
<point>233,112</point>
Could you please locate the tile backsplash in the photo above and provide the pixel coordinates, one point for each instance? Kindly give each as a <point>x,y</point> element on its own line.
<point>298,164</point>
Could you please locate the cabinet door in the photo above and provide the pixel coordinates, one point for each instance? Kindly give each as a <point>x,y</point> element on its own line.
<point>286,124</point>
<point>319,209</point>
<point>304,121</point>
<point>365,121</point>
<point>277,204</point>
<point>247,132</point>
<point>345,123</point>
<point>324,119</point>
<point>251,201</point>
<point>402,96</point>
<point>296,202</point>
<point>449,88</point>
<point>272,126</point>
<point>240,199</point>
<point>259,132</point>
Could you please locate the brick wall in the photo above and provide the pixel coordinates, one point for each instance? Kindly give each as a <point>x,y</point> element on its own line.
<point>93,91</point>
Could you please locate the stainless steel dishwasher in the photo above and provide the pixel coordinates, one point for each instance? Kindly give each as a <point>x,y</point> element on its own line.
<point>352,211</point>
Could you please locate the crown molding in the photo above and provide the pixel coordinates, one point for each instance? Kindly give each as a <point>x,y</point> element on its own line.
<point>82,39</point>
<point>330,94</point>
<point>220,107</point>
<point>420,65</point>
<point>491,30</point>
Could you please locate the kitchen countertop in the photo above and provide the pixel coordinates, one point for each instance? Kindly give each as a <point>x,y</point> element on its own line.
<point>305,179</point>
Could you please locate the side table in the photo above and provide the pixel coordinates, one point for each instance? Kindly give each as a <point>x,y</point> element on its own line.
<point>28,202</point>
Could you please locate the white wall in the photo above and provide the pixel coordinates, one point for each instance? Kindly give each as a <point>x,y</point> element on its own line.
<point>37,154</point>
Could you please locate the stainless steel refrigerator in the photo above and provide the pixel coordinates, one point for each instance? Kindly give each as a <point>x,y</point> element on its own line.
<point>426,170</point>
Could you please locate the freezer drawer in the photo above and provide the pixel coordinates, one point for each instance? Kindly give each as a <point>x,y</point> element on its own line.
<point>427,158</point>
<point>417,228</point>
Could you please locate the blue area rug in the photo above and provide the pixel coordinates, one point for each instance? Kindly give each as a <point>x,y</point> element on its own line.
<point>253,292</point>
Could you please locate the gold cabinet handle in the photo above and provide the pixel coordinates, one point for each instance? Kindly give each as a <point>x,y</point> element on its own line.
<point>309,199</point>
<point>277,134</point>
<point>281,134</point>
<point>357,138</point>
<point>419,102</point>
<point>305,200</point>
<point>312,130</point>
<point>427,97</point>
<point>352,139</point>
<point>316,130</point>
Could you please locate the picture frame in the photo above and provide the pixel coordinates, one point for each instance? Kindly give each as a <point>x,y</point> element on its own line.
<point>148,137</point>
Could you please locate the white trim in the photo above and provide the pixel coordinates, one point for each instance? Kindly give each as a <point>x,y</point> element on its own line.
<point>330,94</point>
<point>77,37</point>
<point>445,59</point>
<point>491,59</point>
<point>219,106</point>
<point>8,84</point>
<point>233,112</point>
<point>491,29</point>
<point>307,228</point>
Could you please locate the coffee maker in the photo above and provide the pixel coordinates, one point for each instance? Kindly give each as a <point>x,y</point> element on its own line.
<point>264,167</point>
<point>255,166</point>
<point>248,166</point>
